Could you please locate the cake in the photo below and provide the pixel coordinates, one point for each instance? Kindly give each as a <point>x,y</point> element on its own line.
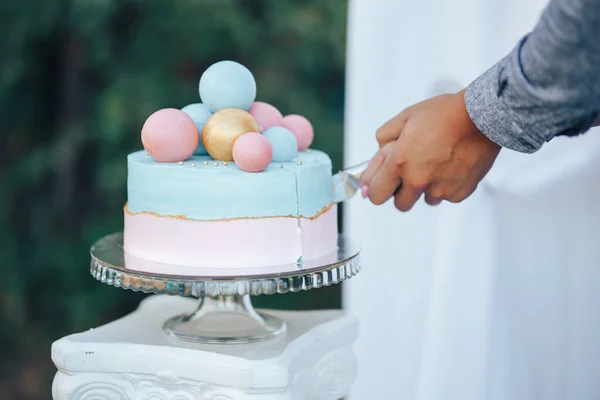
<point>228,183</point>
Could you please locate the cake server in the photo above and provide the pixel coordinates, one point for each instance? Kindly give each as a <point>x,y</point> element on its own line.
<point>347,182</point>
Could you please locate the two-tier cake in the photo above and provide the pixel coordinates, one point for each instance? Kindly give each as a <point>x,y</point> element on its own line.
<point>228,182</point>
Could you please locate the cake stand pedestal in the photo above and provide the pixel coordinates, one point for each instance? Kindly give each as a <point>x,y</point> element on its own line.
<point>217,347</point>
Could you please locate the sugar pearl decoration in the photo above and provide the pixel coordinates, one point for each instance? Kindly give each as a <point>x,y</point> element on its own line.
<point>222,130</point>
<point>252,152</point>
<point>205,162</point>
<point>227,84</point>
<point>301,128</point>
<point>265,115</point>
<point>170,135</point>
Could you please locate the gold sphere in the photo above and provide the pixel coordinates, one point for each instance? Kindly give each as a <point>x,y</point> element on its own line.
<point>222,130</point>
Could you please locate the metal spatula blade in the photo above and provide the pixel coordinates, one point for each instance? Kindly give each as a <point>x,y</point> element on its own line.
<point>347,182</point>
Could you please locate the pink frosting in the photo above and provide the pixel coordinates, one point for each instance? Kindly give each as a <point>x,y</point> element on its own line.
<point>265,115</point>
<point>243,243</point>
<point>301,128</point>
<point>252,152</point>
<point>170,135</point>
<point>319,235</point>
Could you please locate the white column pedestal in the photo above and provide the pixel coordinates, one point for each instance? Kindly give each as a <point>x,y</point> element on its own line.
<point>132,359</point>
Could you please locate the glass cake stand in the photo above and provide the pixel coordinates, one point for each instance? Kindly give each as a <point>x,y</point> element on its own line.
<point>225,313</point>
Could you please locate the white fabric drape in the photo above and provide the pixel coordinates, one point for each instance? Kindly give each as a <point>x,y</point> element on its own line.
<point>497,297</point>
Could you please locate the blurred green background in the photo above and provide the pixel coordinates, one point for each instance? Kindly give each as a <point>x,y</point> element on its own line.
<point>77,80</point>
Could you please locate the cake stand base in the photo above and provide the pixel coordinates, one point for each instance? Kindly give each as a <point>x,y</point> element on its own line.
<point>132,358</point>
<point>225,314</point>
<point>225,320</point>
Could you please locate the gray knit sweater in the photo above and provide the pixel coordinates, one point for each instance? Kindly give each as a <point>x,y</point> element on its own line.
<point>549,85</point>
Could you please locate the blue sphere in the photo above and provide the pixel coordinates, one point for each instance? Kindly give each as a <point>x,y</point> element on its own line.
<point>227,84</point>
<point>200,114</point>
<point>284,143</point>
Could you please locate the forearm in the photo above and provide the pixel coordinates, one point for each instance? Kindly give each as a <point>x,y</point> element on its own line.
<point>549,85</point>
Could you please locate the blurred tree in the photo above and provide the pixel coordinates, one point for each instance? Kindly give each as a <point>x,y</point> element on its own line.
<point>77,80</point>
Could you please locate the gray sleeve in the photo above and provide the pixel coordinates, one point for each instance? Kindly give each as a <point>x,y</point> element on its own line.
<point>549,85</point>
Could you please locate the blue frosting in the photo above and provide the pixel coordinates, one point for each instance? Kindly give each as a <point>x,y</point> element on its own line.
<point>207,192</point>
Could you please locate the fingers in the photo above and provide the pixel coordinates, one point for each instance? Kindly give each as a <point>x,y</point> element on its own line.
<point>386,180</point>
<point>437,193</point>
<point>462,193</point>
<point>406,197</point>
<point>431,200</point>
<point>374,165</point>
<point>391,130</point>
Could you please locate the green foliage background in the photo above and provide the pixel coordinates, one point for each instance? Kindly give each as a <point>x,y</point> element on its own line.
<point>77,80</point>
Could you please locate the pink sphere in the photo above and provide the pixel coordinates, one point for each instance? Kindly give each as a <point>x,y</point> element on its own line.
<point>252,152</point>
<point>170,135</point>
<point>301,128</point>
<point>265,115</point>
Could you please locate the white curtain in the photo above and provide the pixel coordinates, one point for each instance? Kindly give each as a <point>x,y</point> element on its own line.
<point>495,298</point>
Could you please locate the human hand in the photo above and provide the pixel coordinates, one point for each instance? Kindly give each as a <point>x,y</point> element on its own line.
<point>432,147</point>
